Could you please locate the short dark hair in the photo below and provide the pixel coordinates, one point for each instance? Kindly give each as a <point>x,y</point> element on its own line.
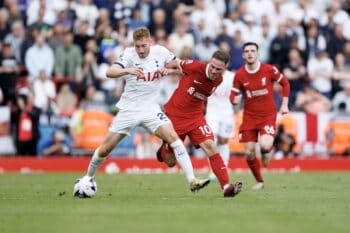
<point>250,43</point>
<point>222,56</point>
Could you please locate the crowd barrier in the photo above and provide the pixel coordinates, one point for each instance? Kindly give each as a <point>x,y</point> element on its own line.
<point>150,165</point>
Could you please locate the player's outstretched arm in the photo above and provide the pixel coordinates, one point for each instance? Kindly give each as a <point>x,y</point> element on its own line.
<point>116,71</point>
<point>284,106</point>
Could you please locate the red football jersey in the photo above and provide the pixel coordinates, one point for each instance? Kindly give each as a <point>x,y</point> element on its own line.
<point>257,89</point>
<point>194,88</point>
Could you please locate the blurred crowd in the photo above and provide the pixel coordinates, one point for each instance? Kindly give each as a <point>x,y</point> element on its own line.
<point>54,54</point>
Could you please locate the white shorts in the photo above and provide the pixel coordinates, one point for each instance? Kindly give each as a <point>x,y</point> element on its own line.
<point>222,127</point>
<point>126,120</point>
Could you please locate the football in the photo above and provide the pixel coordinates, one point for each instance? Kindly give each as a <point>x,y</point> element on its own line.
<point>85,187</point>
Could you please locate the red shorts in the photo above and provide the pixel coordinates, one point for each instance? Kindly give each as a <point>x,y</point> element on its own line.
<point>195,128</point>
<point>252,127</point>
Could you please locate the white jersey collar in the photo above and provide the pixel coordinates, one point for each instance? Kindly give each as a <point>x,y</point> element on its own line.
<point>252,71</point>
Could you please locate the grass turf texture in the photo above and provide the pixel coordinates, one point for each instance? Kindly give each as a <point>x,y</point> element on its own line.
<point>303,202</point>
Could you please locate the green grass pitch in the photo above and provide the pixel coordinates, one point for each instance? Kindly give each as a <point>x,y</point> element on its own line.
<point>299,202</point>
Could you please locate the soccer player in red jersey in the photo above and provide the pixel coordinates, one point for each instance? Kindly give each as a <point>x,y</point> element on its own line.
<point>255,81</point>
<point>185,110</point>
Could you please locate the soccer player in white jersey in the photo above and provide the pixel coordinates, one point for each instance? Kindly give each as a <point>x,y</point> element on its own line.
<point>219,115</point>
<point>141,67</point>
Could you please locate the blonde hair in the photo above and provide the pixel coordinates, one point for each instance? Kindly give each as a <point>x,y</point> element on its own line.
<point>141,33</point>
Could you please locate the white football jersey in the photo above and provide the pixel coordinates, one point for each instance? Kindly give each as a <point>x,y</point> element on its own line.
<point>219,103</point>
<point>141,92</point>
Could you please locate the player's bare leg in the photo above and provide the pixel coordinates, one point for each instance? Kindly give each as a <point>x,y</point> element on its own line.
<point>266,143</point>
<point>254,165</point>
<point>168,134</point>
<point>220,170</point>
<point>102,152</point>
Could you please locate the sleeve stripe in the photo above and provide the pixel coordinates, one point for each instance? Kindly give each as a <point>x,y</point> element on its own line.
<point>173,58</point>
<point>280,78</point>
<point>235,90</point>
<point>118,63</point>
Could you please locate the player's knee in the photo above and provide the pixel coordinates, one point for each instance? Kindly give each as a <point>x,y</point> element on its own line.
<point>265,147</point>
<point>250,154</point>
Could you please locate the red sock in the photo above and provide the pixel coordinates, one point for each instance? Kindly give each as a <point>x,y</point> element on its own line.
<point>219,169</point>
<point>254,166</point>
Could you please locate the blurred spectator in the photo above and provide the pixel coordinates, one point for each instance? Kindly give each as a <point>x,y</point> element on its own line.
<point>234,23</point>
<point>40,23</point>
<point>295,71</point>
<point>284,143</point>
<point>123,35</point>
<point>145,147</point>
<point>341,100</point>
<point>311,101</point>
<point>44,91</point>
<point>252,31</point>
<point>68,59</point>
<point>28,42</point>
<point>9,70</point>
<point>93,100</point>
<point>320,70</point>
<point>159,21</point>
<point>86,11</point>
<point>268,33</point>
<point>14,12</point>
<point>65,20</point>
<point>180,38</point>
<point>341,72</point>
<point>56,39</point>
<point>4,23</point>
<point>224,37</point>
<point>206,19</point>
<point>161,37</point>
<point>66,99</point>
<point>103,22</point>
<point>314,41</point>
<point>108,84</point>
<point>205,49</point>
<point>82,35</point>
<point>279,47</point>
<point>58,145</point>
<point>258,8</point>
<point>146,8</point>
<point>26,118</point>
<point>169,6</point>
<point>16,38</point>
<point>136,20</point>
<point>236,60</point>
<point>39,57</point>
<point>347,53</point>
<point>108,42</point>
<point>336,42</point>
<point>168,85</point>
<point>89,72</point>
<point>49,15</point>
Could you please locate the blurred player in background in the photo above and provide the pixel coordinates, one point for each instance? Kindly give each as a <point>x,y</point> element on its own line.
<point>219,115</point>
<point>138,106</point>
<point>255,82</point>
<point>185,109</point>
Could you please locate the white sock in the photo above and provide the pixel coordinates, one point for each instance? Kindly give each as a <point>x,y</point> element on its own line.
<point>94,164</point>
<point>224,151</point>
<point>183,159</point>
